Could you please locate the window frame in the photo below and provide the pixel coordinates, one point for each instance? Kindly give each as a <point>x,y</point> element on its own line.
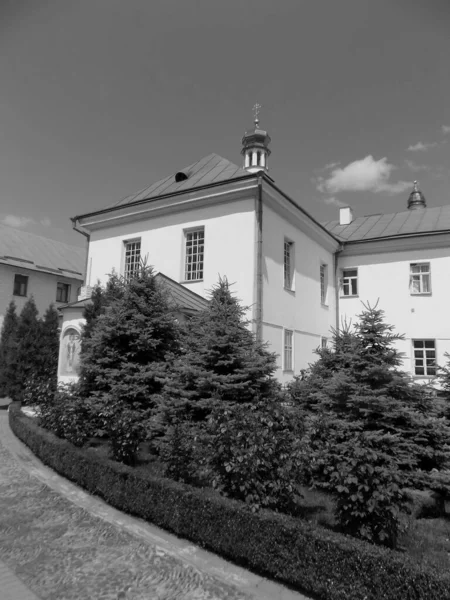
<point>424,358</point>
<point>128,274</point>
<point>291,263</point>
<point>350,279</point>
<point>27,278</point>
<point>420,276</point>
<point>323,342</point>
<point>68,290</point>
<point>186,233</point>
<point>288,368</point>
<point>323,283</point>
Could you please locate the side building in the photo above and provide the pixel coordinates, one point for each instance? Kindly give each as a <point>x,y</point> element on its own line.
<point>50,271</point>
<point>402,262</point>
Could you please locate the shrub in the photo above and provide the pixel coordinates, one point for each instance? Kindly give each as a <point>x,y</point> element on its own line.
<point>255,454</point>
<point>38,391</point>
<point>125,431</point>
<point>8,350</point>
<point>67,415</point>
<point>318,562</point>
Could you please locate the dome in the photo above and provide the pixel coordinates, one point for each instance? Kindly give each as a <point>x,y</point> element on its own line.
<point>416,199</point>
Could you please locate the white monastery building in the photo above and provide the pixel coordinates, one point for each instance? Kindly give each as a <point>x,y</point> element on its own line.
<point>299,278</point>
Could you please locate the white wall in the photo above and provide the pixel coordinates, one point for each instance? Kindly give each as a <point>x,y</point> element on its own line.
<point>41,285</point>
<point>299,310</point>
<point>384,277</point>
<point>229,247</point>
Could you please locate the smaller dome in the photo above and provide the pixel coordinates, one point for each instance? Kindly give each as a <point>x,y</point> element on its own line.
<point>416,199</point>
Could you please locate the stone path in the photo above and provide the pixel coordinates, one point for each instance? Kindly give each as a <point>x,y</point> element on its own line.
<point>60,543</point>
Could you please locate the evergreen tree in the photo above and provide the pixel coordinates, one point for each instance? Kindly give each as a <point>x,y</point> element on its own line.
<point>357,386</point>
<point>124,352</point>
<point>8,349</point>
<point>49,346</point>
<point>28,348</point>
<point>220,361</point>
<point>99,300</point>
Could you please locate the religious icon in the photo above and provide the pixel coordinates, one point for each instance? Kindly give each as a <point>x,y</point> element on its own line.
<point>70,350</point>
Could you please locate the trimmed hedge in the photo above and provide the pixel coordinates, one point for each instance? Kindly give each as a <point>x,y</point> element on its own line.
<point>322,563</point>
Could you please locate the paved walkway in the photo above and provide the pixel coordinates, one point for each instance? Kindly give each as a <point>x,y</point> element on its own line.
<point>60,543</point>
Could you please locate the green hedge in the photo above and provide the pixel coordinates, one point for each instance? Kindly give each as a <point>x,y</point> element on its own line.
<point>322,563</point>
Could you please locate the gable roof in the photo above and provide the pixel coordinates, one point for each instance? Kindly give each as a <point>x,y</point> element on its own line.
<point>23,249</point>
<point>408,222</point>
<point>210,169</point>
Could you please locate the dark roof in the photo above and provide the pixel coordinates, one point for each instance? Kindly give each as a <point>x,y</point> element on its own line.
<point>23,249</point>
<point>184,298</point>
<point>408,222</point>
<point>210,169</point>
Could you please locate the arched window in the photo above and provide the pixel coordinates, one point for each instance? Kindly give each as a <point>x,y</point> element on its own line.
<point>258,158</point>
<point>250,156</point>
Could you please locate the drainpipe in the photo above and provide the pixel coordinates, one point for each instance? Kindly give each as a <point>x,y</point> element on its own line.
<point>76,228</point>
<point>259,262</point>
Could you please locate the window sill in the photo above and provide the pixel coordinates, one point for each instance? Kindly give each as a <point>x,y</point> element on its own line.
<point>424,376</point>
<point>288,371</point>
<point>191,281</point>
<point>289,290</point>
<point>20,295</point>
<point>350,296</point>
<point>420,294</point>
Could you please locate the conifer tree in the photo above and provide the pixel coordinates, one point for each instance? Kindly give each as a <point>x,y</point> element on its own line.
<point>49,346</point>
<point>28,347</point>
<point>124,353</point>
<point>8,349</point>
<point>221,361</point>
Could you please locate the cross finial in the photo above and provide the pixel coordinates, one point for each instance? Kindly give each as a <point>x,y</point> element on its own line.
<point>416,186</point>
<point>256,108</point>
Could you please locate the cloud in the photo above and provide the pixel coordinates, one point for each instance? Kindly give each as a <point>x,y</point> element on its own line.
<point>331,165</point>
<point>445,128</point>
<point>333,201</point>
<point>17,222</point>
<point>22,222</point>
<point>422,147</point>
<point>366,174</point>
<point>412,166</point>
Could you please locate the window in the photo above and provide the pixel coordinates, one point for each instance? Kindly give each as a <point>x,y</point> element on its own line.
<point>323,284</point>
<point>195,247</point>
<point>258,158</point>
<point>132,259</point>
<point>288,264</point>
<point>349,282</point>
<point>424,357</point>
<point>420,278</point>
<point>323,342</point>
<point>288,350</point>
<point>62,292</point>
<point>20,285</point>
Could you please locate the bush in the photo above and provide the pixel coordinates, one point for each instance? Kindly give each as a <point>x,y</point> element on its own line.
<point>319,562</point>
<point>67,415</point>
<point>255,454</point>
<point>38,391</point>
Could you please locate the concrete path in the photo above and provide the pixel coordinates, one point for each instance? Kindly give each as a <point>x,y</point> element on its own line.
<point>60,543</point>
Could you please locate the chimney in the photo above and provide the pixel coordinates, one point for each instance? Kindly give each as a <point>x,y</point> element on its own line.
<point>345,215</point>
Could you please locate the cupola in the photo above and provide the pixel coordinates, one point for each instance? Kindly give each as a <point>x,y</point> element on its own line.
<point>416,200</point>
<point>255,146</point>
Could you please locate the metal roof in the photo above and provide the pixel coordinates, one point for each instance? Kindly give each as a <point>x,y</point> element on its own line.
<point>182,297</point>
<point>408,222</point>
<point>23,249</point>
<point>210,169</point>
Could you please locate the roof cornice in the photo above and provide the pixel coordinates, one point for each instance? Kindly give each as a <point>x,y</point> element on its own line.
<point>398,243</point>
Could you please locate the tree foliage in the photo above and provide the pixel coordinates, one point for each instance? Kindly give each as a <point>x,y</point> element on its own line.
<point>8,350</point>
<point>361,405</point>
<point>220,360</point>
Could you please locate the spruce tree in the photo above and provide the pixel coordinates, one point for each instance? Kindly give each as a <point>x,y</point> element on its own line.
<point>28,348</point>
<point>221,361</point>
<point>49,346</point>
<point>8,349</point>
<point>124,353</point>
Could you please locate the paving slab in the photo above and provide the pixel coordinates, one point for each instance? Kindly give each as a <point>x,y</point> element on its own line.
<point>62,543</point>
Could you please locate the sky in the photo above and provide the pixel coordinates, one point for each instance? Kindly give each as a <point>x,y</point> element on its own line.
<point>101,98</point>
